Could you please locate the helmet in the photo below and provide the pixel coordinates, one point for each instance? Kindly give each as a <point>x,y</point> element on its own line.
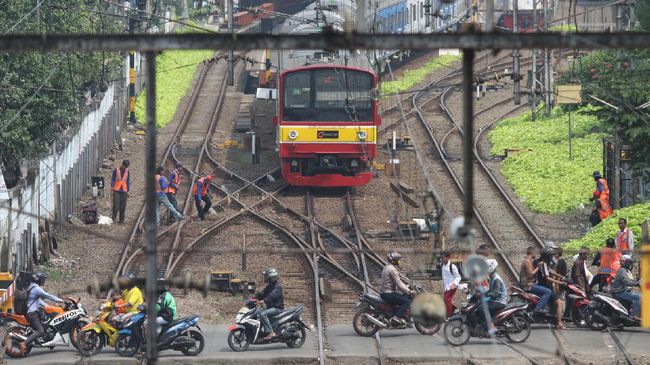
<point>492,265</point>
<point>208,178</point>
<point>627,261</point>
<point>394,257</point>
<point>596,175</point>
<point>548,252</point>
<point>39,277</point>
<point>271,275</point>
<point>126,281</point>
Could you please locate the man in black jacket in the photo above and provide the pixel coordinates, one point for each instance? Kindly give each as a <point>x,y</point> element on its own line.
<point>273,297</point>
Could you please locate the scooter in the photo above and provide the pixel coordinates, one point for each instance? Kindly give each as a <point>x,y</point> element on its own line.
<point>608,311</point>
<point>248,330</point>
<point>182,334</point>
<point>103,330</point>
<point>56,322</point>
<point>510,322</point>
<point>577,308</point>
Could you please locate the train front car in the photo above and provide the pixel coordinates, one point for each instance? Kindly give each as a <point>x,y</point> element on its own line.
<point>327,125</point>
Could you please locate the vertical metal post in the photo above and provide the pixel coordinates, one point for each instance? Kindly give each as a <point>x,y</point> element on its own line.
<point>570,137</point>
<point>468,135</point>
<point>614,199</point>
<point>489,15</point>
<point>516,72</point>
<point>151,286</point>
<point>547,65</point>
<point>533,103</point>
<point>132,25</point>
<point>231,53</point>
<point>360,16</point>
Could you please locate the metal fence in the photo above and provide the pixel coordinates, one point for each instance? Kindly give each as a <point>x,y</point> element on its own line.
<point>60,179</point>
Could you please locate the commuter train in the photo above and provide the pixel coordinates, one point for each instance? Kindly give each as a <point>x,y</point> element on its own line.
<point>327,125</point>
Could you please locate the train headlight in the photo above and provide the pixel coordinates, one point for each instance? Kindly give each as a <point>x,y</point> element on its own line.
<point>293,134</point>
<point>362,135</point>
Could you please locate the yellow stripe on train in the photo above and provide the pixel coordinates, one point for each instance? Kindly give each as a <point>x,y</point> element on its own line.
<point>327,134</point>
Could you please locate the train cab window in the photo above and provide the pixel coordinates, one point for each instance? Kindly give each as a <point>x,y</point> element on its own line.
<point>297,91</point>
<point>414,12</point>
<point>421,10</point>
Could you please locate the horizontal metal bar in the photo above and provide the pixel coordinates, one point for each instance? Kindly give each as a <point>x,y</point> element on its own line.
<point>160,42</point>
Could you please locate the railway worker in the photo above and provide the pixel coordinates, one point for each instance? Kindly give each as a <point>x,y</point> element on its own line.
<point>161,196</point>
<point>608,261</point>
<point>580,274</point>
<point>624,237</point>
<point>393,290</point>
<point>622,283</point>
<point>450,279</point>
<point>121,184</point>
<point>131,294</point>
<point>172,188</point>
<point>273,297</point>
<point>528,280</point>
<point>601,186</point>
<point>200,192</point>
<point>602,207</point>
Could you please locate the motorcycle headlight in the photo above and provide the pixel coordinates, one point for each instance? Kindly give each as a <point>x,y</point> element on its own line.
<point>362,135</point>
<point>293,134</point>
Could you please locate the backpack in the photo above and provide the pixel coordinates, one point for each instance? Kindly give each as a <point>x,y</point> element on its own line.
<point>21,297</point>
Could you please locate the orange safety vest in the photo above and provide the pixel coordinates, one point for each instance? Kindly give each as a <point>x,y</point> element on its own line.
<point>177,181</point>
<point>622,239</point>
<point>605,209</point>
<point>609,261</point>
<point>120,181</point>
<point>605,191</point>
<point>157,186</point>
<point>204,187</point>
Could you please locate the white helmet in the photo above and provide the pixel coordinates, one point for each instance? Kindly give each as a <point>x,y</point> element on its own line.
<point>492,265</point>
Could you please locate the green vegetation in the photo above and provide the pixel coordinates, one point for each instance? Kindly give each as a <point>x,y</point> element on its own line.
<point>635,215</point>
<point>563,28</point>
<point>540,171</point>
<point>411,78</point>
<point>174,73</point>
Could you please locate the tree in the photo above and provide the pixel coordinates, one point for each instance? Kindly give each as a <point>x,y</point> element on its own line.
<point>41,93</point>
<point>642,13</point>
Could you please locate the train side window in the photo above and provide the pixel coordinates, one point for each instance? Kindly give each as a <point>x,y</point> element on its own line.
<point>406,16</point>
<point>297,90</point>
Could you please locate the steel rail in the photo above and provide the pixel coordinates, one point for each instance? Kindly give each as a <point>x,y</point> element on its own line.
<point>313,234</point>
<point>621,347</point>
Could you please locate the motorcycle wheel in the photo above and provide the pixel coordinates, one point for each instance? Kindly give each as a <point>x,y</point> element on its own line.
<point>198,347</point>
<point>11,344</point>
<point>456,332</point>
<point>596,323</point>
<point>579,317</point>
<point>237,340</point>
<point>427,331</point>
<point>126,345</point>
<point>74,333</point>
<point>362,326</point>
<point>522,326</point>
<point>90,343</point>
<point>299,340</point>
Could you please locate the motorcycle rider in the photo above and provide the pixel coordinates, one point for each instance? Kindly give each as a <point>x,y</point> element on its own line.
<point>273,297</point>
<point>35,306</point>
<point>528,281</point>
<point>496,296</point>
<point>165,308</point>
<point>608,261</point>
<point>622,283</point>
<point>130,293</point>
<point>549,278</point>
<point>393,290</point>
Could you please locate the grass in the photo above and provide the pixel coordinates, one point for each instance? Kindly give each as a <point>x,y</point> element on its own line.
<point>540,172</point>
<point>634,214</point>
<point>563,28</point>
<point>174,74</point>
<point>410,78</point>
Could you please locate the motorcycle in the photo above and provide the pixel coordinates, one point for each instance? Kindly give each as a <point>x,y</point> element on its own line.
<point>56,322</point>
<point>510,322</point>
<point>248,330</point>
<point>577,308</point>
<point>179,335</point>
<point>101,331</point>
<point>374,314</point>
<point>608,311</point>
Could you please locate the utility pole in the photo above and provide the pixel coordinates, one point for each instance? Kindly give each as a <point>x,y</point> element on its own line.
<point>132,26</point>
<point>547,66</point>
<point>533,88</point>
<point>231,53</point>
<point>360,16</point>
<point>516,72</point>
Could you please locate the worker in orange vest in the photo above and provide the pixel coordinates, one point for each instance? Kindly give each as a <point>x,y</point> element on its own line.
<point>172,189</point>
<point>601,186</point>
<point>200,192</point>
<point>161,196</point>
<point>120,184</point>
<point>602,208</point>
<point>624,237</point>
<point>608,262</point>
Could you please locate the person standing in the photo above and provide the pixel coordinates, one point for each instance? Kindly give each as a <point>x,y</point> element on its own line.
<point>528,280</point>
<point>200,192</point>
<point>121,184</point>
<point>580,274</point>
<point>624,237</point>
<point>161,197</point>
<point>172,188</point>
<point>602,207</point>
<point>450,278</point>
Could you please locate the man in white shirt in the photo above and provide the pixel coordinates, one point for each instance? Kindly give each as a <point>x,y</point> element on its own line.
<point>450,279</point>
<point>624,237</point>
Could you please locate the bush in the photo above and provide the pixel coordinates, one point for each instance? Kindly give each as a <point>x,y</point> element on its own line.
<point>563,28</point>
<point>174,74</point>
<point>413,77</point>
<point>541,173</point>
<point>634,214</point>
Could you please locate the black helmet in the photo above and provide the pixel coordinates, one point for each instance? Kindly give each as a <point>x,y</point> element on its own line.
<point>627,262</point>
<point>126,281</point>
<point>271,275</point>
<point>596,175</point>
<point>39,277</point>
<point>394,257</point>
<point>548,253</point>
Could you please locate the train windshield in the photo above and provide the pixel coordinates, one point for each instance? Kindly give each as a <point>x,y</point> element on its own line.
<point>328,95</point>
